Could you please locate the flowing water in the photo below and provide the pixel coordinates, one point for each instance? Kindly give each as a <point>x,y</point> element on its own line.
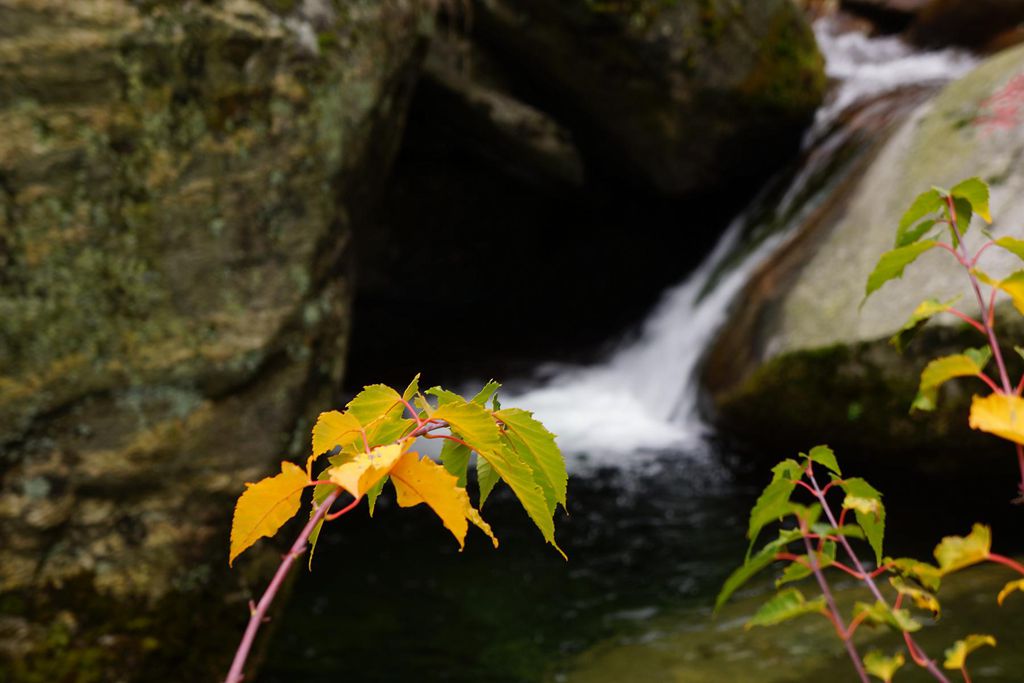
<point>656,520</point>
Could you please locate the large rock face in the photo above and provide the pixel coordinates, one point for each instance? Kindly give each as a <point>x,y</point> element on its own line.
<point>607,142</point>
<point>803,364</point>
<point>672,96</point>
<point>177,183</point>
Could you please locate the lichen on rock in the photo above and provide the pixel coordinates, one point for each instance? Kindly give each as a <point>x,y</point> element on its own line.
<point>177,184</point>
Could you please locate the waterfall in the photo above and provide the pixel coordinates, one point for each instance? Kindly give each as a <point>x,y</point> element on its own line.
<point>643,396</point>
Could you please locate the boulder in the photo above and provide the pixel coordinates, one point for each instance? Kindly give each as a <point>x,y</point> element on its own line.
<point>177,187</point>
<point>668,96</point>
<point>970,23</point>
<point>801,362</point>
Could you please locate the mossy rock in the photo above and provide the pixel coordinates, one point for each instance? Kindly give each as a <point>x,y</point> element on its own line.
<point>810,362</point>
<point>667,96</point>
<point>177,186</point>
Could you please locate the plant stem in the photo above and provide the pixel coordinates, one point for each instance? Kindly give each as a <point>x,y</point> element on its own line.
<point>989,329</point>
<point>932,668</point>
<point>837,617</point>
<point>260,611</point>
<point>1005,561</point>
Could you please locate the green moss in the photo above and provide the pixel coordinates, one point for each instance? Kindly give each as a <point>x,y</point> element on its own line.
<point>790,71</point>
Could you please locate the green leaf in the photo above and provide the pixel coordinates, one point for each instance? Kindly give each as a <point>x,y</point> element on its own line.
<point>320,493</point>
<point>412,389</point>
<point>380,410</point>
<point>970,363</point>
<point>773,504</point>
<point>1012,245</point>
<point>963,218</point>
<point>924,312</point>
<point>883,667</point>
<point>866,502</point>
<point>788,469</point>
<point>823,455</point>
<point>797,570</point>
<point>373,493</point>
<point>753,565</point>
<point>914,234</point>
<point>444,396</point>
<point>784,606</point>
<point>536,445</point>
<point>924,205</point>
<point>455,458</point>
<point>922,598</point>
<point>794,571</point>
<point>1009,588</point>
<point>975,191</point>
<point>486,478</point>
<point>925,574</point>
<point>883,615</point>
<point>489,390</point>
<point>956,656</point>
<point>956,552</point>
<point>476,426</point>
<point>892,263</point>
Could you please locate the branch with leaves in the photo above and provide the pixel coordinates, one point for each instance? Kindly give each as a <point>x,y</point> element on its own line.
<point>808,540</point>
<point>939,212</point>
<point>371,443</point>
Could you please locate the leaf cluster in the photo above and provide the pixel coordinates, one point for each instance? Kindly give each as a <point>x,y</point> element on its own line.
<point>807,537</point>
<point>371,443</point>
<point>934,213</point>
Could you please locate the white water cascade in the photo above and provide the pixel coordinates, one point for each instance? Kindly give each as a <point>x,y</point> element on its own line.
<point>643,397</point>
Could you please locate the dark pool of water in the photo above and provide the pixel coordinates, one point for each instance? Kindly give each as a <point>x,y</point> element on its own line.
<point>392,599</point>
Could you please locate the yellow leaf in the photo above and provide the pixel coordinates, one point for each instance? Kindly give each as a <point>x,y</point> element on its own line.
<point>333,429</point>
<point>424,481</point>
<point>264,507</point>
<point>877,664</point>
<point>1017,585</point>
<point>956,656</point>
<point>921,597</point>
<point>957,552</point>
<point>869,506</point>
<point>361,473</point>
<point>999,414</point>
<point>1012,285</point>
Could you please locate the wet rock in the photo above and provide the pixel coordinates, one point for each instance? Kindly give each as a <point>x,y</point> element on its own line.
<point>177,185</point>
<point>970,23</point>
<point>802,363</point>
<point>666,96</point>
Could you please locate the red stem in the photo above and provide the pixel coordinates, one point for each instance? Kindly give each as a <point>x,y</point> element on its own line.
<point>993,342</point>
<point>977,254</point>
<point>966,318</point>
<point>415,415</point>
<point>1003,560</point>
<point>987,380</point>
<point>258,614</point>
<point>989,330</point>
<point>837,618</point>
<point>930,665</point>
<point>334,515</point>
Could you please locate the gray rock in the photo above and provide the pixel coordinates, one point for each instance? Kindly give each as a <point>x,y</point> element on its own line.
<point>817,366</point>
<point>177,185</point>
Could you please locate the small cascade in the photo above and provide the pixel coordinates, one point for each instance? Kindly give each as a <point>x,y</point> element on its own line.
<point>643,397</point>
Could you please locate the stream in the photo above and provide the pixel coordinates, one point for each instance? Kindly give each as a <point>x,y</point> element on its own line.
<point>657,506</point>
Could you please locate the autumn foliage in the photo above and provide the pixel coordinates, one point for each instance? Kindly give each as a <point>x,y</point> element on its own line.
<point>357,451</point>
